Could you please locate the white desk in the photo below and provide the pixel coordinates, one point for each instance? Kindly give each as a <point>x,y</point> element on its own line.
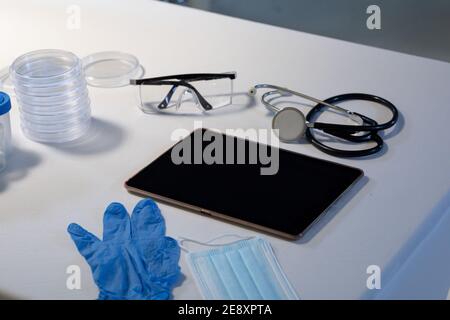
<point>47,187</point>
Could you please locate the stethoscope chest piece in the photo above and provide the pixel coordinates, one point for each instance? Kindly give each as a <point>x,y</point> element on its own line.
<point>289,124</point>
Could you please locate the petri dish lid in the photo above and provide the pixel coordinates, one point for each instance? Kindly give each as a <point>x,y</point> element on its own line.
<point>110,69</point>
<point>44,67</point>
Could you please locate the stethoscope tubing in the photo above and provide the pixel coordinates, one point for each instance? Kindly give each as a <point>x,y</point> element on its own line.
<point>345,131</point>
<point>355,96</point>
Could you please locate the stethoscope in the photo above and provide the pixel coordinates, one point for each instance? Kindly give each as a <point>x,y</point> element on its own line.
<point>290,124</point>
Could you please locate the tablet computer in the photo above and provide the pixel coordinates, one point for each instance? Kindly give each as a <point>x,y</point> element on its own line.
<point>245,182</point>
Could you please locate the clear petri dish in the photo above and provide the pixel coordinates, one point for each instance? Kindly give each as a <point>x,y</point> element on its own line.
<point>57,137</point>
<point>56,127</point>
<point>50,81</point>
<point>44,67</point>
<point>51,89</point>
<point>54,121</point>
<point>67,108</point>
<point>64,89</point>
<point>56,117</point>
<point>52,100</point>
<point>110,69</point>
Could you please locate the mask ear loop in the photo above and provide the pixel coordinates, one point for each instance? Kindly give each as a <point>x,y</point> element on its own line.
<point>210,243</point>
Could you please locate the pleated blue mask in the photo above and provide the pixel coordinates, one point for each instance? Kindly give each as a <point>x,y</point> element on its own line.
<point>243,270</point>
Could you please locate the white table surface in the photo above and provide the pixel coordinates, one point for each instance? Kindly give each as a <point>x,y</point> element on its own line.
<point>47,187</point>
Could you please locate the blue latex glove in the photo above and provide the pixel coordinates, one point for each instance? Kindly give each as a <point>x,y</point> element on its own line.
<point>135,260</point>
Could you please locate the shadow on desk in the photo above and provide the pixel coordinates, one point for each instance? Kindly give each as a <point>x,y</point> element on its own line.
<point>19,163</point>
<point>103,136</point>
<point>420,269</point>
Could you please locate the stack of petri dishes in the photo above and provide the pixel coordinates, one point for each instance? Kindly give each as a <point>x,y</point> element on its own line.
<point>52,94</point>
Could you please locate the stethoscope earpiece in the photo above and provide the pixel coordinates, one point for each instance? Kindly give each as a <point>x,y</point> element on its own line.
<point>252,92</point>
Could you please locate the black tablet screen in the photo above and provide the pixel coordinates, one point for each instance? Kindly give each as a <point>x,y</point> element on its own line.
<point>287,197</point>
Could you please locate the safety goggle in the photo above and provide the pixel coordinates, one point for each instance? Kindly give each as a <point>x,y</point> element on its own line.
<point>167,94</point>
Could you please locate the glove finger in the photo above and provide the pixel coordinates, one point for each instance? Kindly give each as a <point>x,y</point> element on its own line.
<point>163,263</point>
<point>147,220</point>
<point>116,223</point>
<point>172,254</point>
<point>142,204</point>
<point>85,241</point>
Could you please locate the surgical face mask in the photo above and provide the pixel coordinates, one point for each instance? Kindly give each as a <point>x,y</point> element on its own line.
<point>243,270</point>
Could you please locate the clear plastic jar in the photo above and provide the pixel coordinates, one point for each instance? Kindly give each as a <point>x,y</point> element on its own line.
<point>5,129</point>
<point>52,93</point>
